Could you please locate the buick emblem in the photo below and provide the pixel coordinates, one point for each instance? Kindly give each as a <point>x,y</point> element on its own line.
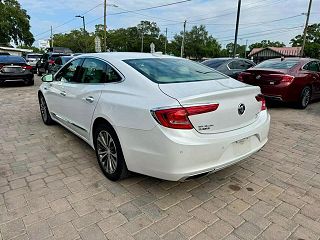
<point>241,109</point>
<point>258,77</point>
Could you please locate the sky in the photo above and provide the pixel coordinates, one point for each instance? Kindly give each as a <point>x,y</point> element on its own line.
<point>277,20</point>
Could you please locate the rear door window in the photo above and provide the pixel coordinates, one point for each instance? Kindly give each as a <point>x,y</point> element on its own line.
<point>312,66</point>
<point>93,71</point>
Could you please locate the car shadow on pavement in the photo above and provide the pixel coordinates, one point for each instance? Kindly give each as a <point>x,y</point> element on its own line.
<point>13,84</point>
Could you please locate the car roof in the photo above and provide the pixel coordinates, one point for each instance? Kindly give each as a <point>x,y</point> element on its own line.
<point>125,55</point>
<point>10,58</point>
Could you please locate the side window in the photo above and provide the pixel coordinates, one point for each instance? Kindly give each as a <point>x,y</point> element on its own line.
<point>234,65</point>
<point>93,71</point>
<point>70,72</point>
<point>312,66</point>
<point>112,75</point>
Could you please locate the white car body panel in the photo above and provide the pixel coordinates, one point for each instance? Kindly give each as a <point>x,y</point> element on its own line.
<point>148,147</point>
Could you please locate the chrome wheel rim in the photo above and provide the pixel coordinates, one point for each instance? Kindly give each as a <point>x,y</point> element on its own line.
<point>306,97</point>
<point>43,109</point>
<point>107,152</point>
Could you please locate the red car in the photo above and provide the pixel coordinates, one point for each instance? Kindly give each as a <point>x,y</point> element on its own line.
<point>289,80</point>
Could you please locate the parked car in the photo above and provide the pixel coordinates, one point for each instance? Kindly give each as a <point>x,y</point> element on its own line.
<point>46,61</point>
<point>32,59</point>
<point>295,80</point>
<point>14,68</point>
<point>59,62</point>
<point>229,66</point>
<point>157,115</point>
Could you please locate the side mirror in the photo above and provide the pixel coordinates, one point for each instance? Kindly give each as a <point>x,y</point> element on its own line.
<point>47,78</point>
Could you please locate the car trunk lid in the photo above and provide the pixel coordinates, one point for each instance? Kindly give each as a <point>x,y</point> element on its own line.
<point>262,77</point>
<point>11,67</point>
<point>231,95</point>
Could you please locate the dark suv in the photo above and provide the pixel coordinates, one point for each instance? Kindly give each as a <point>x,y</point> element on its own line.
<point>46,62</point>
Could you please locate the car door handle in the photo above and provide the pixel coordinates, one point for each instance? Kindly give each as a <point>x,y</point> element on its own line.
<point>89,99</point>
<point>63,93</point>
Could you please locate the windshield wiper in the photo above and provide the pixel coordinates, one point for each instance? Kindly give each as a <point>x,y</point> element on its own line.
<point>204,72</point>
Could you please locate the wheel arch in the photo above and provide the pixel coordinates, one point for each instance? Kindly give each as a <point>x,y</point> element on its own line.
<point>97,121</point>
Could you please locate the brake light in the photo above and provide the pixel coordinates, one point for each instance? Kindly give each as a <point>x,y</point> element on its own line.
<point>1,66</point>
<point>287,78</point>
<point>241,76</point>
<point>27,67</point>
<point>260,98</point>
<point>51,62</point>
<point>177,118</point>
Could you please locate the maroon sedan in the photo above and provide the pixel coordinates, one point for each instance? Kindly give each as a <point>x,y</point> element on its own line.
<point>289,80</point>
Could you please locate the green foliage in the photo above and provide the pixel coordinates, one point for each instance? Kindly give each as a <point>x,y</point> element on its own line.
<point>266,43</point>
<point>198,44</point>
<point>76,40</point>
<point>14,22</point>
<point>229,50</point>
<point>312,48</point>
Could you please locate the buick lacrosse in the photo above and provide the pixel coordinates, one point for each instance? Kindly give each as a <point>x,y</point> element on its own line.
<point>157,115</point>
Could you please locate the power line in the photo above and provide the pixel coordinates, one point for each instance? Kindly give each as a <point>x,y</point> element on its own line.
<point>230,13</point>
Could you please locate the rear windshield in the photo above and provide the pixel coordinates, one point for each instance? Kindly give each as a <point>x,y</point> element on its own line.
<point>278,64</point>
<point>173,70</point>
<point>215,63</point>
<point>54,56</point>
<point>11,59</point>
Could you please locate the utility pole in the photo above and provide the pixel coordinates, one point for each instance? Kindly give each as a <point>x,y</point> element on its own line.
<point>245,50</point>
<point>105,25</point>
<point>237,29</point>
<point>142,35</point>
<point>165,43</point>
<point>51,37</point>
<point>183,38</point>
<point>306,29</point>
<point>83,21</point>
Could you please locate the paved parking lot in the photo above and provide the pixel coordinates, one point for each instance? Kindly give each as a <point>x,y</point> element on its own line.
<point>51,186</point>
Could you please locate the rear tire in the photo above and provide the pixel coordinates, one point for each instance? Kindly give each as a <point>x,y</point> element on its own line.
<point>46,118</point>
<point>38,72</point>
<point>109,153</point>
<point>305,98</point>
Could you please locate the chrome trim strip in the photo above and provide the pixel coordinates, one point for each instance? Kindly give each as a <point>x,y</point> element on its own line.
<point>69,122</point>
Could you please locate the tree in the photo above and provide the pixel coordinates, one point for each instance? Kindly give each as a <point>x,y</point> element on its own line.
<point>76,40</point>
<point>312,48</point>
<point>198,44</point>
<point>15,24</point>
<point>266,43</point>
<point>229,50</point>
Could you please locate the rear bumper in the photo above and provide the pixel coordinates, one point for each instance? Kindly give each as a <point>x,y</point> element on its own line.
<point>16,77</point>
<point>281,92</point>
<point>178,154</point>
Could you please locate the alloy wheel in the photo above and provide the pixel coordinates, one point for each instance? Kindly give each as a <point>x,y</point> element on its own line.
<point>43,109</point>
<point>107,152</point>
<point>306,95</point>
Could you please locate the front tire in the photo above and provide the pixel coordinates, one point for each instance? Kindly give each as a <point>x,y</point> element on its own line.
<point>109,153</point>
<point>46,118</point>
<point>305,98</point>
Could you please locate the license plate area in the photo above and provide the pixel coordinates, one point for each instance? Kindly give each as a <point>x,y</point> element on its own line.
<point>242,146</point>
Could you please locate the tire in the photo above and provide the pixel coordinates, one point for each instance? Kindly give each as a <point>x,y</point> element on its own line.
<point>29,82</point>
<point>45,115</point>
<point>305,98</point>
<point>38,72</point>
<point>109,153</point>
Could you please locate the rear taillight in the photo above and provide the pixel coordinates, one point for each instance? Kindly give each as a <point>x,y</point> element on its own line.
<point>27,67</point>
<point>1,66</point>
<point>260,98</point>
<point>177,118</point>
<point>51,62</point>
<point>287,78</point>
<point>241,76</point>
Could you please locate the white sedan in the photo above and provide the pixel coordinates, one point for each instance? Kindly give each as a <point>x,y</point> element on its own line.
<point>157,115</point>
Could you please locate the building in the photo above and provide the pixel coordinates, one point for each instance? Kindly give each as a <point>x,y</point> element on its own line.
<point>15,51</point>
<point>261,54</point>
